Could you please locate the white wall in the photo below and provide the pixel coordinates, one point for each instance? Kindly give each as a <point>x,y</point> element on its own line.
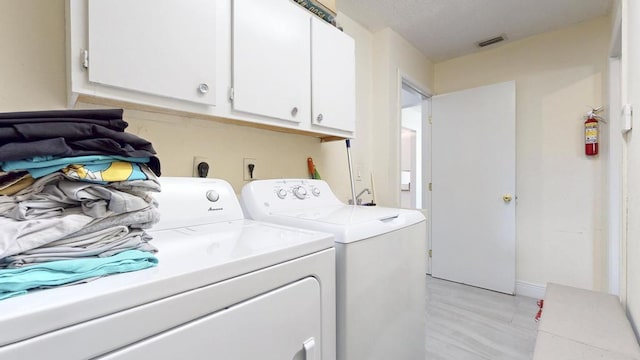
<point>560,228</point>
<point>410,158</point>
<point>612,152</point>
<point>630,62</point>
<point>407,163</point>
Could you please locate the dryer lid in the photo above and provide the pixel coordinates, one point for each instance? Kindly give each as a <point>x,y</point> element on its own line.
<point>189,258</point>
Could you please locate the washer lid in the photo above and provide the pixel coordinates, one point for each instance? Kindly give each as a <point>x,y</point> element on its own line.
<point>189,258</point>
<point>347,222</point>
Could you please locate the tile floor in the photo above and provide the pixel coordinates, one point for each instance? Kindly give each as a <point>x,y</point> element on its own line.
<point>468,323</point>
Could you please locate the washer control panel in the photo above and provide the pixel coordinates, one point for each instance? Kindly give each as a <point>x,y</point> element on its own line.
<point>284,194</point>
<point>297,191</point>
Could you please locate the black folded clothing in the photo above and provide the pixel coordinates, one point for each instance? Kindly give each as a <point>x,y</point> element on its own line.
<point>109,118</point>
<point>70,133</point>
<point>59,147</point>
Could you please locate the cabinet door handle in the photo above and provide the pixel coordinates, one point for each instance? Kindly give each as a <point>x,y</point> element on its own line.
<point>203,88</point>
<point>294,111</point>
<point>319,118</point>
<point>310,349</point>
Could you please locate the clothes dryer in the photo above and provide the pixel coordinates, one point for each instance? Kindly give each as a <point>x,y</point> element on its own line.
<point>225,288</point>
<point>380,264</point>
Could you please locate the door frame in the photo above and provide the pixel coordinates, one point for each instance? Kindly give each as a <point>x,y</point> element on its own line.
<point>616,191</point>
<point>422,89</point>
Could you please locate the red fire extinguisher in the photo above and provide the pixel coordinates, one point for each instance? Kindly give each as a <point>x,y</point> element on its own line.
<point>591,132</point>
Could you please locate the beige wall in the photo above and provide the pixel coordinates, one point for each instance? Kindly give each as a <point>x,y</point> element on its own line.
<point>559,223</point>
<point>393,57</point>
<point>178,139</point>
<point>333,165</point>
<point>32,64</point>
<point>560,235</point>
<point>32,69</point>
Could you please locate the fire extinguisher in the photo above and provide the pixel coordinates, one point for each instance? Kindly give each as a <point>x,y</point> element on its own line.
<point>591,132</point>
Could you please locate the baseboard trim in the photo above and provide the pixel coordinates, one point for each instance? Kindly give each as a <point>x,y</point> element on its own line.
<point>530,289</point>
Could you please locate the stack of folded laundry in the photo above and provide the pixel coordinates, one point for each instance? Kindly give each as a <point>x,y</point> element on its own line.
<point>75,198</point>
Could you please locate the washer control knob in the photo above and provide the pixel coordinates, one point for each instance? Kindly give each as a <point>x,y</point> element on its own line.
<point>300,192</point>
<point>282,193</point>
<point>315,192</point>
<point>213,195</point>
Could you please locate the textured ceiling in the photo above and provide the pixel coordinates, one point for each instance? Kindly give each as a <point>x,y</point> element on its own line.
<point>444,29</point>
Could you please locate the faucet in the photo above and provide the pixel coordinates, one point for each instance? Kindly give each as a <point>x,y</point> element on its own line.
<point>358,199</point>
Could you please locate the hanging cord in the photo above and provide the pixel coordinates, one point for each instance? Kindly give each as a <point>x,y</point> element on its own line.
<point>353,185</point>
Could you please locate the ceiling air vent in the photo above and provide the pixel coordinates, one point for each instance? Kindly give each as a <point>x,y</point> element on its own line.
<point>491,41</point>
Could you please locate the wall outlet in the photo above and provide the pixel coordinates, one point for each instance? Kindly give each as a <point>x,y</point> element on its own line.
<point>358,172</point>
<point>248,175</point>
<point>200,159</point>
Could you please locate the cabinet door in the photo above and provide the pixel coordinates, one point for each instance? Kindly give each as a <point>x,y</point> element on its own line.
<point>160,47</point>
<point>332,77</point>
<point>271,59</point>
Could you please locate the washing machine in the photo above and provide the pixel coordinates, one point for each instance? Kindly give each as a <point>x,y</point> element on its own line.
<point>380,264</point>
<point>224,288</point>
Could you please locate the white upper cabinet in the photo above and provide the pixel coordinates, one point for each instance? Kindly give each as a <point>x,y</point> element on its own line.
<point>270,63</point>
<point>332,77</point>
<point>271,57</point>
<point>160,47</point>
<point>290,65</point>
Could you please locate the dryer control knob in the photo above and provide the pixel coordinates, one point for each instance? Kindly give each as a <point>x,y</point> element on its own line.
<point>213,195</point>
<point>300,192</point>
<point>315,192</point>
<point>282,193</point>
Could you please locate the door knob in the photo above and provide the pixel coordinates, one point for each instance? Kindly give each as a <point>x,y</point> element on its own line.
<point>203,88</point>
<point>507,198</point>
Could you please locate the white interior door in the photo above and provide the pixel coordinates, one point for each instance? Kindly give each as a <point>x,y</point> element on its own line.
<point>473,175</point>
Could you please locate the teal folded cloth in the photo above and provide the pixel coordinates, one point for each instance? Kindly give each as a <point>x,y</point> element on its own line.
<point>105,173</point>
<point>18,281</point>
<point>42,166</point>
